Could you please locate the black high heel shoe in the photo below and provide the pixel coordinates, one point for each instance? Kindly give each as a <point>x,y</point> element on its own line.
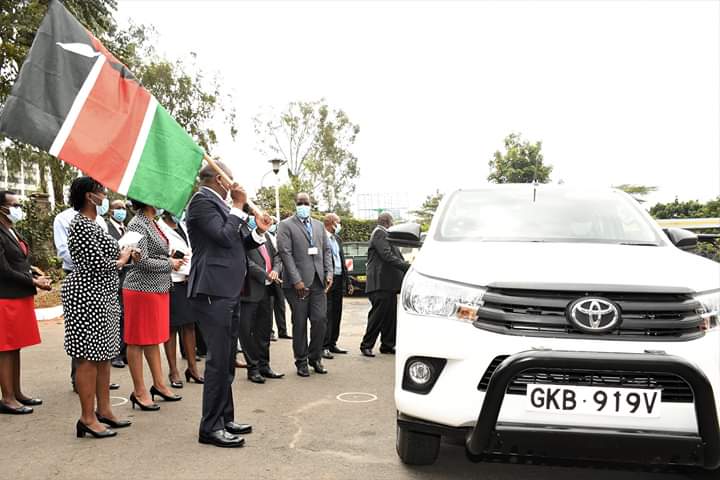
<point>82,429</point>
<point>7,409</point>
<point>112,423</point>
<point>174,384</point>
<point>189,375</point>
<point>145,408</point>
<point>168,398</point>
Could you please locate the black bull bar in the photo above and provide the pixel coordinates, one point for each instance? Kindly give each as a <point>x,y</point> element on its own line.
<point>705,446</point>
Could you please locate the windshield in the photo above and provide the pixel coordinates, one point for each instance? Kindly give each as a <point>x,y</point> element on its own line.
<point>556,215</point>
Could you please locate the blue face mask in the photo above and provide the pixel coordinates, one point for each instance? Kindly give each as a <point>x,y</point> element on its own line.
<point>119,214</point>
<point>175,219</point>
<point>251,223</point>
<point>273,228</point>
<point>103,208</point>
<point>159,212</point>
<point>303,211</point>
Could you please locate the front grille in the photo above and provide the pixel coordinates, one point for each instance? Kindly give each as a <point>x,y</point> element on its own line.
<point>651,316</point>
<point>674,388</point>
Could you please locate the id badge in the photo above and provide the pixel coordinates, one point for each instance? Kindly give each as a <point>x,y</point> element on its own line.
<point>312,251</point>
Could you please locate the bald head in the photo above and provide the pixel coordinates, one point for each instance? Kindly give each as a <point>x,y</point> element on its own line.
<point>385,219</point>
<point>209,174</point>
<point>302,198</point>
<point>117,204</point>
<point>331,222</point>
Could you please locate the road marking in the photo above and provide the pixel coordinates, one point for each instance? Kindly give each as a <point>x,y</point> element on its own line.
<point>356,397</point>
<point>123,401</point>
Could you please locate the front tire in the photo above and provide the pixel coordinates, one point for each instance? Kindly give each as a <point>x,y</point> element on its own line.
<point>416,448</point>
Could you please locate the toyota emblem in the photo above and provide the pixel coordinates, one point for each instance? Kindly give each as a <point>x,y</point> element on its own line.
<point>593,315</point>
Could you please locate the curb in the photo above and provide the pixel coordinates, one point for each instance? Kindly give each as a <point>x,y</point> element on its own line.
<point>51,313</point>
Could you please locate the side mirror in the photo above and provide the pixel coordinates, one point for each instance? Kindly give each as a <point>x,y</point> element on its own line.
<point>681,238</point>
<point>405,235</point>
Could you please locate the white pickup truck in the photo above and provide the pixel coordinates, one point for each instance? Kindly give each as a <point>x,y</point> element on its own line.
<point>549,321</point>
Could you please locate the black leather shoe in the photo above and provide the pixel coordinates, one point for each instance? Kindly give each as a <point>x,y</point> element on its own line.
<point>318,366</point>
<point>388,351</point>
<point>221,438</point>
<point>367,352</point>
<point>8,410</point>
<point>273,338</point>
<point>82,429</point>
<point>30,402</point>
<point>113,386</point>
<point>256,378</point>
<point>285,336</point>
<point>117,362</point>
<point>113,423</point>
<point>303,371</point>
<point>271,374</point>
<point>326,354</point>
<point>153,407</point>
<point>168,398</point>
<point>238,428</point>
<point>336,349</point>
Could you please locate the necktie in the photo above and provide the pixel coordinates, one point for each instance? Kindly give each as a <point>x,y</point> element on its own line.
<point>266,257</point>
<point>308,228</point>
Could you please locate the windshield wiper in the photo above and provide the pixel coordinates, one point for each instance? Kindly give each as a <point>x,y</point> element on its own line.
<point>640,244</point>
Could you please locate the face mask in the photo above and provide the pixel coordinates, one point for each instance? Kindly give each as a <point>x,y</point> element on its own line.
<point>303,211</point>
<point>103,208</point>
<point>175,219</point>
<point>224,195</point>
<point>338,227</point>
<point>119,214</point>
<point>159,212</point>
<point>15,214</point>
<point>273,229</point>
<point>251,223</point>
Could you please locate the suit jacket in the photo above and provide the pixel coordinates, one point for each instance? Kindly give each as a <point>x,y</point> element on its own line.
<point>219,265</point>
<point>16,281</point>
<point>293,244</point>
<point>113,230</point>
<point>385,265</point>
<point>152,272</point>
<point>255,286</point>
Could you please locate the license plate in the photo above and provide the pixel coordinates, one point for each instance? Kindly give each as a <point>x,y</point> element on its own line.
<point>361,278</point>
<point>614,402</point>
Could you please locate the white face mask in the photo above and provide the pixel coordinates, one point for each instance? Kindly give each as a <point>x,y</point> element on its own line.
<point>15,214</point>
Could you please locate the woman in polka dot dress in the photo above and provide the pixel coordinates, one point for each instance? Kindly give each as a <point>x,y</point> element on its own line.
<point>92,309</point>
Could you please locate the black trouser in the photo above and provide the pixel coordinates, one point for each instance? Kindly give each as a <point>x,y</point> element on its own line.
<point>382,320</point>
<point>277,300</point>
<point>313,307</point>
<point>334,311</point>
<point>219,321</point>
<point>255,331</point>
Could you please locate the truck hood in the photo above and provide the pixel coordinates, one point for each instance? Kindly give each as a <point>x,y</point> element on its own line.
<point>569,266</point>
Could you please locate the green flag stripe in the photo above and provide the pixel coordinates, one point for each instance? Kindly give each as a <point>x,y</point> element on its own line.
<point>168,165</point>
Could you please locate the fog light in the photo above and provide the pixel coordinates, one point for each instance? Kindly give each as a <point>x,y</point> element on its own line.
<point>420,372</point>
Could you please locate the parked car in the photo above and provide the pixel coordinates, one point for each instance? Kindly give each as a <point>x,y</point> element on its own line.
<point>549,321</point>
<point>356,261</point>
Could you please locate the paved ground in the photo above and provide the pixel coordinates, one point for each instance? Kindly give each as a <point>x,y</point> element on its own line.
<point>301,429</point>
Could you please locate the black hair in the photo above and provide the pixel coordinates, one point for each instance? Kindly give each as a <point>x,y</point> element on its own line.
<point>137,204</point>
<point>80,187</point>
<point>3,197</point>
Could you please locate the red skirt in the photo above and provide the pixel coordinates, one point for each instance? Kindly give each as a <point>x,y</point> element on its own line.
<point>18,325</point>
<point>146,317</point>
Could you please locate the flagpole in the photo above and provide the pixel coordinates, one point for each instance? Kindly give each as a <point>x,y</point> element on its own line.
<point>225,177</point>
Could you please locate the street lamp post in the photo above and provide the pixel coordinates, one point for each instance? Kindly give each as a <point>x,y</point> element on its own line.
<point>276,164</point>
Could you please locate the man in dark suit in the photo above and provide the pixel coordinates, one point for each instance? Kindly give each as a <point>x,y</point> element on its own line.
<point>338,288</point>
<point>277,296</point>
<point>116,229</point>
<point>307,274</point>
<point>255,313</point>
<point>385,271</point>
<point>217,277</point>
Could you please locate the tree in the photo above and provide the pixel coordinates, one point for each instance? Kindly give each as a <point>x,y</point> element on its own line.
<point>693,209</point>
<point>315,141</point>
<point>426,212</point>
<point>265,198</point>
<point>636,191</point>
<point>522,162</point>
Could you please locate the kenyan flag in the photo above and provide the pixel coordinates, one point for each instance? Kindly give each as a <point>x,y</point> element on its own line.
<point>75,100</point>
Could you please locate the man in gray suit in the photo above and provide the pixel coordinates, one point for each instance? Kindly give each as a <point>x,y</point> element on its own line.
<point>307,275</point>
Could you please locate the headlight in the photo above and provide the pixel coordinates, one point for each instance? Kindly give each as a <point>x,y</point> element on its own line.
<point>710,308</point>
<point>440,298</point>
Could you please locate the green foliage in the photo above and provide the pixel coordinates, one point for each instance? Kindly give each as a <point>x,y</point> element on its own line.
<point>427,211</point>
<point>636,191</point>
<point>37,228</point>
<point>265,198</point>
<point>693,209</point>
<point>522,162</point>
<point>315,142</point>
<point>355,230</point>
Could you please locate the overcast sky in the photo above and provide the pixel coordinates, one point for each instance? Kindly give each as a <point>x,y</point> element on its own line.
<point>619,92</point>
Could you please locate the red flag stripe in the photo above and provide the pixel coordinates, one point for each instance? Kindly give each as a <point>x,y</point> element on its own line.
<point>107,127</point>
